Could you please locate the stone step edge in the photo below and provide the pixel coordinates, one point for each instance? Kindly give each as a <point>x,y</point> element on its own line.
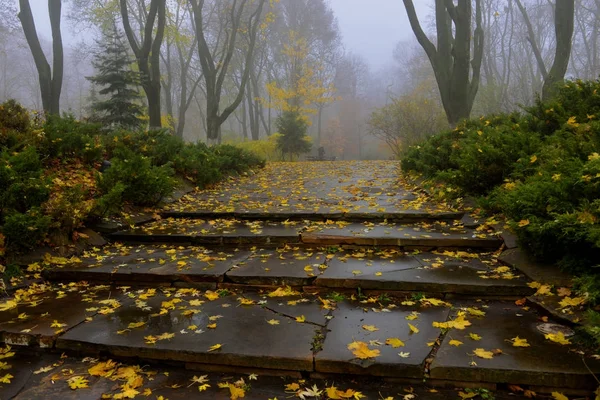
<point>315,286</point>
<point>303,374</point>
<point>312,216</point>
<point>308,239</point>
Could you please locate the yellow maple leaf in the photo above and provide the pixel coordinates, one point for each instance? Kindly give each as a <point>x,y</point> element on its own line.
<point>466,396</point>
<point>292,387</point>
<point>361,350</point>
<point>572,121</point>
<point>481,353</point>
<point>301,319</point>
<point>518,342</point>
<point>273,322</point>
<point>559,396</point>
<point>8,305</point>
<point>413,329</point>
<point>215,347</point>
<point>104,369</point>
<point>558,337</point>
<point>77,382</point>
<point>394,342</point>
<point>127,393</point>
<point>245,302</point>
<point>150,339</point>
<point>370,328</point>
<point>57,324</point>
<point>134,325</point>
<point>454,342</point>
<point>6,378</point>
<point>523,223</point>
<point>332,393</point>
<point>203,387</point>
<point>533,159</point>
<point>474,336</point>
<point>210,295</point>
<point>476,312</point>
<point>571,302</point>
<point>283,292</point>
<point>165,336</point>
<point>212,326</point>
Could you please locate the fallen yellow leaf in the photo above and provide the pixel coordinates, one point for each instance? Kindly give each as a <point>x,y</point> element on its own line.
<point>394,342</point>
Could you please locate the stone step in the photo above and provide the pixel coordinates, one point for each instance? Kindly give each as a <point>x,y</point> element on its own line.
<point>171,382</point>
<point>303,334</point>
<point>449,273</point>
<point>406,216</point>
<point>325,233</point>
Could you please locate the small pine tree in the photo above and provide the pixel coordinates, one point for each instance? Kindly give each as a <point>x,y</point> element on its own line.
<point>292,127</point>
<point>118,83</point>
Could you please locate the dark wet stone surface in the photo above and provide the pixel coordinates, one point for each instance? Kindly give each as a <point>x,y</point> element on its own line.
<point>246,337</point>
<point>544,363</point>
<point>346,327</point>
<point>294,268</point>
<point>425,272</point>
<point>152,264</point>
<point>31,323</point>
<point>551,274</point>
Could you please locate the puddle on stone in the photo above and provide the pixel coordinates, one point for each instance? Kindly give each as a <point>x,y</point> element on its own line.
<point>549,328</point>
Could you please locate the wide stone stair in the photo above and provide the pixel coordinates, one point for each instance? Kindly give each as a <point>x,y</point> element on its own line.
<point>399,296</point>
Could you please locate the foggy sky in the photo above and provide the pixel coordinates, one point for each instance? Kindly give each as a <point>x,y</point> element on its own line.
<point>372,28</point>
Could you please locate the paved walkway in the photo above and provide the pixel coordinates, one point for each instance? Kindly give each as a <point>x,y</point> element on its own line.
<point>273,293</point>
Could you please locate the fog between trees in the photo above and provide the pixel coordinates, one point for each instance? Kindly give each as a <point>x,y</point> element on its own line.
<point>223,70</point>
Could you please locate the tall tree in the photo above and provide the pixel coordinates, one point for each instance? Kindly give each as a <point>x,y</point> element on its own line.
<point>216,62</point>
<point>147,53</point>
<point>564,25</point>
<point>121,108</point>
<point>50,78</point>
<point>457,75</point>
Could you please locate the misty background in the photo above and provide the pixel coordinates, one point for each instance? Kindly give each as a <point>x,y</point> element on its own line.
<point>363,54</point>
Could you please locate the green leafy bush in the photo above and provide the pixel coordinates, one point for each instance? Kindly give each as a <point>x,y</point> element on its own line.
<point>13,116</point>
<point>144,183</point>
<point>24,231</point>
<point>541,169</point>
<point>65,138</point>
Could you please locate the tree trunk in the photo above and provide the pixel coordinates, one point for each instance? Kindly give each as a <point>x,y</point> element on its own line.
<point>564,22</point>
<point>319,125</point>
<point>50,79</point>
<point>147,54</point>
<point>457,75</point>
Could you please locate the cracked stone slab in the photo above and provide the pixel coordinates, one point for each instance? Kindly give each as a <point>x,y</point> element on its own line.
<point>543,363</point>
<point>43,317</point>
<point>307,306</point>
<point>246,336</point>
<point>551,274</point>
<point>267,267</point>
<point>347,327</point>
<point>151,265</point>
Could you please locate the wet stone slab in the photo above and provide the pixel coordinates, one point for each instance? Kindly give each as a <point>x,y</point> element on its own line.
<point>40,318</point>
<point>184,328</point>
<point>543,363</point>
<point>347,327</point>
<point>425,272</point>
<point>214,232</point>
<point>268,267</point>
<point>399,235</point>
<point>151,265</point>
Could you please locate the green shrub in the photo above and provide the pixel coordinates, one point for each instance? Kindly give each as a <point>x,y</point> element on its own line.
<point>541,169</point>
<point>109,203</point>
<point>13,116</point>
<point>144,183</point>
<point>232,158</point>
<point>21,176</point>
<point>24,231</point>
<point>66,138</point>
